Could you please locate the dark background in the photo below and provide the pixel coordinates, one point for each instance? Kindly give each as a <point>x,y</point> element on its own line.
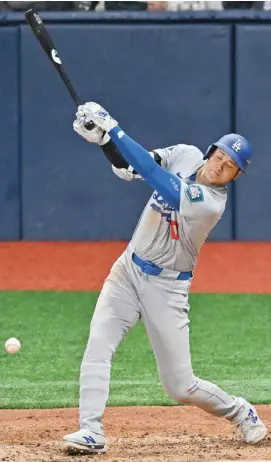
<point>168,78</point>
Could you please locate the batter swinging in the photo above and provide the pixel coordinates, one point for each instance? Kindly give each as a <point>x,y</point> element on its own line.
<point>152,277</point>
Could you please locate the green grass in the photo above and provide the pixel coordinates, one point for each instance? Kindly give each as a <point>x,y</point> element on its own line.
<point>230,344</point>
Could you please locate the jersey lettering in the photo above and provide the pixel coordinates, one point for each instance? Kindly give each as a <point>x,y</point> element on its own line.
<point>161,206</point>
<point>156,196</point>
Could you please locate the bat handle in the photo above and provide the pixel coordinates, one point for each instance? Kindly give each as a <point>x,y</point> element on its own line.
<point>89,125</point>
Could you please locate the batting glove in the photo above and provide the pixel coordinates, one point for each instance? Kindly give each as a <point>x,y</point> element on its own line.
<point>127,174</point>
<point>95,135</point>
<point>97,114</point>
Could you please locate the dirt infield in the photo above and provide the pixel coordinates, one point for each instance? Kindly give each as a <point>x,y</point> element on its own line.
<point>135,434</point>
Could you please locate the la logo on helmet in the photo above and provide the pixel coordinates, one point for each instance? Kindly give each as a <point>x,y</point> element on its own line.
<point>237,145</point>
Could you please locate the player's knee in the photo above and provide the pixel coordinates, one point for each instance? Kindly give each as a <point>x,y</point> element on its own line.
<point>179,393</point>
<point>179,387</point>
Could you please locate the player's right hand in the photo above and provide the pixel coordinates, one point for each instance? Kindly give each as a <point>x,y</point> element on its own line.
<point>127,174</point>
<point>96,135</point>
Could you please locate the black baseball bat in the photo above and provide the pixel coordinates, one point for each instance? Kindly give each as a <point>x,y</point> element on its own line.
<point>42,35</point>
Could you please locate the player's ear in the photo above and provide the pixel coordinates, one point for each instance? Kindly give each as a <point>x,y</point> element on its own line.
<point>239,173</point>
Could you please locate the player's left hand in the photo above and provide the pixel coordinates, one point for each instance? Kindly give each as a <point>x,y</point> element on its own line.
<point>95,135</point>
<point>98,115</point>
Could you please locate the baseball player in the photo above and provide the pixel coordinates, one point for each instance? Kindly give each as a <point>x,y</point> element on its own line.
<point>152,278</point>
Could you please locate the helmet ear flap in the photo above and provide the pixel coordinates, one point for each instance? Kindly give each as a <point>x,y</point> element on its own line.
<point>210,151</point>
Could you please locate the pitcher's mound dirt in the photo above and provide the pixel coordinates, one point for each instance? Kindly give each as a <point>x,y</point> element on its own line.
<point>147,434</point>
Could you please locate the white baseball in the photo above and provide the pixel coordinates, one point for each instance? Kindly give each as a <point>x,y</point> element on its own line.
<point>12,345</point>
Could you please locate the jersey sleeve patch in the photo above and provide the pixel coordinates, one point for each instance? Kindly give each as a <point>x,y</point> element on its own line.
<point>194,193</point>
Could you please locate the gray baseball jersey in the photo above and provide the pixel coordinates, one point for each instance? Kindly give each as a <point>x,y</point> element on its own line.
<point>172,238</point>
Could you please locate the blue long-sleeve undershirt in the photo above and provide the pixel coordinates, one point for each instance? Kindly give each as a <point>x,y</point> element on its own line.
<point>167,184</point>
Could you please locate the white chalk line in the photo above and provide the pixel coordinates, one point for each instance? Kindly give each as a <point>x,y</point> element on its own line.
<point>21,384</point>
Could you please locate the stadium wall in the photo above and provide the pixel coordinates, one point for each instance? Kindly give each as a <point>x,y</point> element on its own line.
<point>168,78</point>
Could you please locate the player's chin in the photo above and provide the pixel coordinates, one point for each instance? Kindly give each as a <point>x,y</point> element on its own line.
<point>214,178</point>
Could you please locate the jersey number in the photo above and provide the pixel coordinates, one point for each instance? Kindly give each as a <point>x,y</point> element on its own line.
<point>174,230</point>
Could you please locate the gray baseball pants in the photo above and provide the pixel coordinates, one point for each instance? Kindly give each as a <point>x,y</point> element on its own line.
<point>162,303</point>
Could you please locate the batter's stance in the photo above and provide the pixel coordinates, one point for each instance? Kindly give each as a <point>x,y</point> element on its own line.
<point>152,277</point>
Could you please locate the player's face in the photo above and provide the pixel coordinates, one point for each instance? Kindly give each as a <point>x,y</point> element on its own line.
<point>220,168</point>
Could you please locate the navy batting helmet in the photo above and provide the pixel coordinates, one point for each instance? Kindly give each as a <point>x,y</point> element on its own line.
<point>236,146</point>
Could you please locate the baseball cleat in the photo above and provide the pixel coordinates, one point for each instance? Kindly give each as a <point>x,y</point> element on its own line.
<point>84,442</point>
<point>250,424</point>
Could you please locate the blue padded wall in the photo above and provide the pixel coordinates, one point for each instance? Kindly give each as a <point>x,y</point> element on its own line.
<point>253,116</point>
<point>9,132</point>
<point>155,79</point>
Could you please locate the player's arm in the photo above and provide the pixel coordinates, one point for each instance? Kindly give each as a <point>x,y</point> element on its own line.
<point>115,158</point>
<point>194,201</point>
<point>167,184</point>
<point>161,180</point>
<point>120,167</point>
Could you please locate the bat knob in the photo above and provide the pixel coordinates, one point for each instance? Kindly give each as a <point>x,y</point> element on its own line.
<point>89,125</point>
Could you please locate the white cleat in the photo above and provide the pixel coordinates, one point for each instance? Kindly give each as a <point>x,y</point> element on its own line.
<point>84,442</point>
<point>250,424</point>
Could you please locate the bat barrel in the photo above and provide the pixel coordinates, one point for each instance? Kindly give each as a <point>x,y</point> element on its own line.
<point>45,40</point>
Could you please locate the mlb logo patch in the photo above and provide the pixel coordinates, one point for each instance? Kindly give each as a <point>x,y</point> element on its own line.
<point>194,193</point>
